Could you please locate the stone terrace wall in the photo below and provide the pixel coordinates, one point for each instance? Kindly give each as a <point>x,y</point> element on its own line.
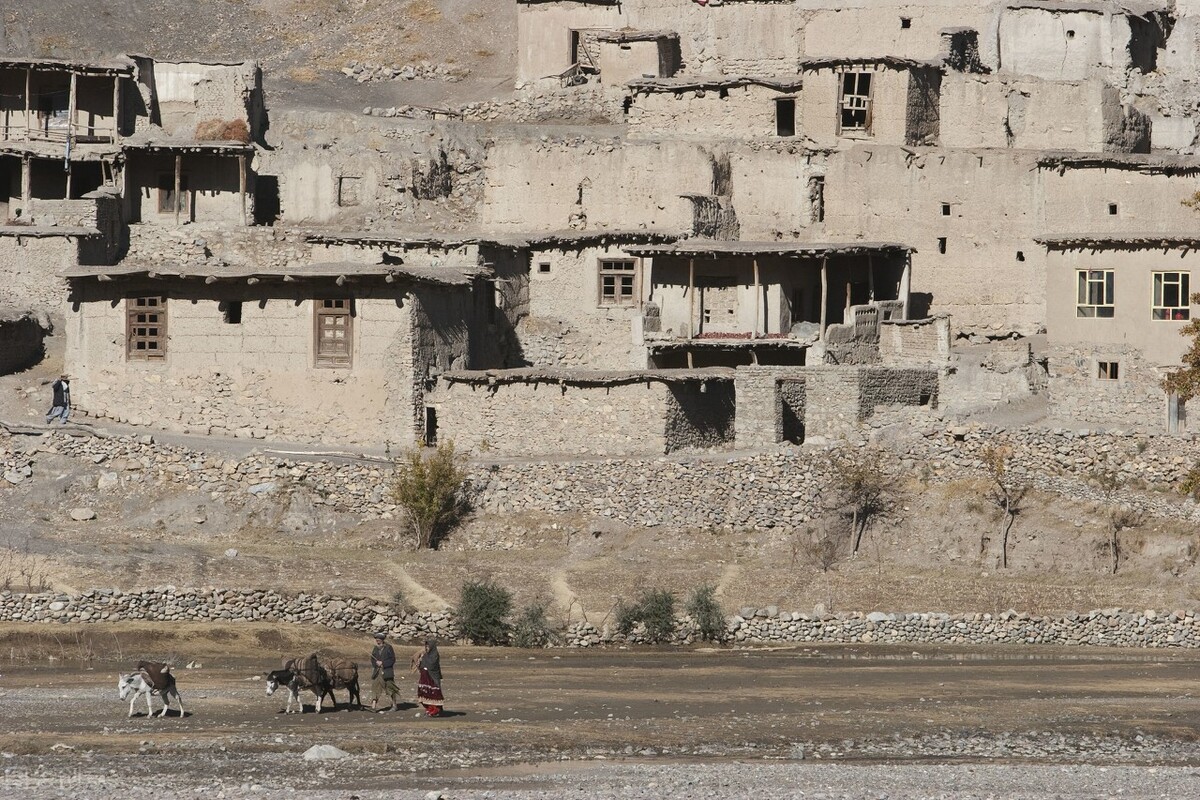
<point>778,489</point>
<point>1101,628</point>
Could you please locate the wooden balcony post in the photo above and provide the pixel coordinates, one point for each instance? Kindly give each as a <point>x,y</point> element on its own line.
<point>178,175</point>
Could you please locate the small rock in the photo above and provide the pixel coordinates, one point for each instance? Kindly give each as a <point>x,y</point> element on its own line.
<point>231,552</point>
<point>324,752</point>
<point>82,514</point>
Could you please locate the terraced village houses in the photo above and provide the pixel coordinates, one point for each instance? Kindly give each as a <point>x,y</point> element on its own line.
<point>734,223</point>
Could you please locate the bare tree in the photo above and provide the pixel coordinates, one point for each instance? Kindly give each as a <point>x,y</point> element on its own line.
<point>819,546</point>
<point>1005,491</point>
<point>1120,517</point>
<point>863,485</point>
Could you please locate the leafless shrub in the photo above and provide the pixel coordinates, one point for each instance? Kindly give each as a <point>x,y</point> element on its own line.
<point>1005,491</point>
<point>862,485</point>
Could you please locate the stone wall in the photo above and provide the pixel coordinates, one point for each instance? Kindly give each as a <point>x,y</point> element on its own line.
<point>569,417</point>
<point>1099,628</point>
<point>255,377</point>
<point>1076,391</point>
<point>20,342</point>
<point>31,265</point>
<point>700,415</point>
<point>736,112</point>
<point>904,343</point>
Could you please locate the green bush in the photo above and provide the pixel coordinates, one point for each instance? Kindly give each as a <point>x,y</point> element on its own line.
<point>432,491</point>
<point>655,608</point>
<point>532,629</point>
<point>483,610</point>
<point>706,612</point>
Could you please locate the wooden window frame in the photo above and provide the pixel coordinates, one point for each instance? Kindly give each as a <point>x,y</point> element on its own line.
<point>137,330</point>
<point>619,275</point>
<point>330,360</point>
<point>162,204</point>
<point>1161,312</point>
<point>1108,371</point>
<point>860,102</point>
<point>1085,281</point>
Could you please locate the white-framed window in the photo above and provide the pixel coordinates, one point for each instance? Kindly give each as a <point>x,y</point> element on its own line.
<point>855,102</point>
<point>1095,293</point>
<point>618,282</point>
<point>1172,293</point>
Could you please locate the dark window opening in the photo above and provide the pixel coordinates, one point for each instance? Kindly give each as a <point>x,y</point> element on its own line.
<point>925,399</point>
<point>723,93</point>
<point>544,267</point>
<point>816,198</point>
<point>231,312</point>
<point>1108,370</point>
<point>945,209</point>
<point>1070,34</point>
<point>942,245</point>
<point>785,116</point>
<point>1020,255</point>
<point>431,426</point>
<point>906,22</point>
<point>1112,209</point>
<point>266,200</point>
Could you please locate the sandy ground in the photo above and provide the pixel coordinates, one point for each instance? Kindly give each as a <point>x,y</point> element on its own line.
<point>514,713</point>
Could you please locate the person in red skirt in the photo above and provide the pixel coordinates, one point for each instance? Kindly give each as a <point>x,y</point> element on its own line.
<point>428,666</point>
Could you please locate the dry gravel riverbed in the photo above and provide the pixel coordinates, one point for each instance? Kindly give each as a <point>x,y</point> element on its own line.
<point>829,722</point>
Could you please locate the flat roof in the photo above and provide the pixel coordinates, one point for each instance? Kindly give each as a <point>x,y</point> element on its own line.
<point>165,143</point>
<point>784,83</point>
<point>116,66</point>
<point>457,275</point>
<point>709,247</point>
<point>1165,164</point>
<point>1088,7</point>
<point>633,35</point>
<point>448,241</point>
<point>46,231</point>
<point>895,62</point>
<point>586,377</point>
<point>1137,241</point>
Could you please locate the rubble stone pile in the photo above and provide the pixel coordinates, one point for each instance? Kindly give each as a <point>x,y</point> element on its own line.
<point>422,70</point>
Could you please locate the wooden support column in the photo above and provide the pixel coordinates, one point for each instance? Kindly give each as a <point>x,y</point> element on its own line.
<point>26,185</point>
<point>72,106</point>
<point>871,277</point>
<point>757,301</point>
<point>824,294</point>
<point>242,184</point>
<point>178,179</point>
<point>691,303</point>
<point>68,194</point>
<point>905,282</point>
<point>116,107</point>
<point>28,100</point>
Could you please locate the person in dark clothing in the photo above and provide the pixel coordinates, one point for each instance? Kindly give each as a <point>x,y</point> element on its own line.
<point>428,666</point>
<point>61,407</point>
<point>383,672</point>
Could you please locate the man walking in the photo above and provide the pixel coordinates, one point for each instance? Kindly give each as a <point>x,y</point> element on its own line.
<point>383,672</point>
<point>61,407</point>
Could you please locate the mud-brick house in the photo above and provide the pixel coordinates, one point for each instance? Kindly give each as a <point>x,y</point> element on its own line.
<point>333,352</point>
<point>730,303</point>
<point>1116,304</point>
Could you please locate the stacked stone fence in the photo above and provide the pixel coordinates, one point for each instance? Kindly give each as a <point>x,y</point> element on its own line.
<point>167,604</point>
<point>1100,628</point>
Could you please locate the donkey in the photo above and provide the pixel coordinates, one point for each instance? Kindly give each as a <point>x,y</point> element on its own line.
<point>343,674</point>
<point>136,684</point>
<point>298,674</point>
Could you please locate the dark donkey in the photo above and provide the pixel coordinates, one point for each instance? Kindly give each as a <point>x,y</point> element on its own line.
<point>301,674</point>
<point>343,674</point>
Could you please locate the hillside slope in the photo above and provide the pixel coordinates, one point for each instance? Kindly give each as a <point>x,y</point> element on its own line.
<point>303,44</point>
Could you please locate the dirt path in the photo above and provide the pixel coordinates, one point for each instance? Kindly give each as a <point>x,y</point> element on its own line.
<point>512,707</point>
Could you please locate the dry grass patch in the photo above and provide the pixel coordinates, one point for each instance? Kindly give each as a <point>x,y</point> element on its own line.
<point>423,11</point>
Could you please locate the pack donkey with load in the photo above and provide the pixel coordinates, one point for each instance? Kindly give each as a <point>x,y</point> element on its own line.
<point>151,678</point>
<point>311,675</point>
